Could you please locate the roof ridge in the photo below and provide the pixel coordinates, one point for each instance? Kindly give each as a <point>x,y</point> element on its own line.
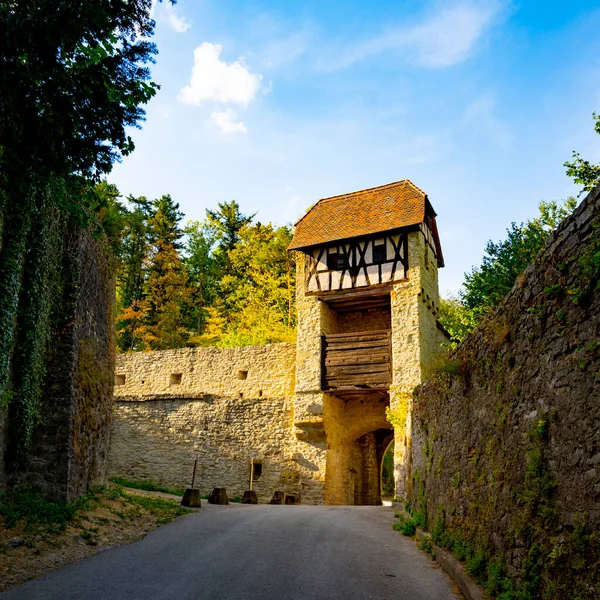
<point>377,187</point>
<point>415,186</point>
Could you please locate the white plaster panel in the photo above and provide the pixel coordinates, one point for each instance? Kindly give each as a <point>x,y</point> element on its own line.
<point>324,280</point>
<point>346,281</point>
<point>373,272</point>
<point>389,248</point>
<point>369,253</point>
<point>336,278</point>
<point>361,279</point>
<point>322,264</point>
<point>399,273</point>
<point>312,284</point>
<point>386,272</point>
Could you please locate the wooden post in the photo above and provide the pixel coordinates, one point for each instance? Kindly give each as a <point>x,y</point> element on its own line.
<point>251,473</point>
<point>194,474</point>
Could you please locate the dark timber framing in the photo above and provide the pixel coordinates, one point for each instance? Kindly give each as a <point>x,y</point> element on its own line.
<point>356,252</point>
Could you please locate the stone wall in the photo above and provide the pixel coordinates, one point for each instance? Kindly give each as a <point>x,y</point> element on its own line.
<point>3,447</point>
<point>70,445</point>
<point>506,437</point>
<point>225,405</point>
<point>252,371</point>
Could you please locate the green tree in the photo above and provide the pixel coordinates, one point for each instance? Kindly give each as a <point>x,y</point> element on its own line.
<point>257,303</point>
<point>227,221</point>
<point>166,290</point>
<point>74,77</point>
<point>202,270</point>
<point>133,255</point>
<point>582,171</point>
<point>503,262</point>
<point>110,215</point>
<point>165,222</point>
<point>457,318</point>
<point>167,294</point>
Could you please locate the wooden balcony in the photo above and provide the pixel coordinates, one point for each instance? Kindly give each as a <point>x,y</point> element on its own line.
<point>357,362</point>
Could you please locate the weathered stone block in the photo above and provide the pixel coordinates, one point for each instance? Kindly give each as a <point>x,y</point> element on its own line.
<point>191,498</point>
<point>218,496</point>
<point>249,497</point>
<point>277,498</point>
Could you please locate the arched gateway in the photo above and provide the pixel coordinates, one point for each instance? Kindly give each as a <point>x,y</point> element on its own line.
<point>368,302</point>
<point>313,416</point>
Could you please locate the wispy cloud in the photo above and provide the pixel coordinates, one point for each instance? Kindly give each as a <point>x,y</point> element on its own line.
<point>213,79</point>
<point>480,117</point>
<point>283,50</point>
<point>168,13</point>
<point>227,123</point>
<point>446,37</point>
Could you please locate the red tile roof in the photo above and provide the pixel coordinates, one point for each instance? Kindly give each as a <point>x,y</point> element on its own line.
<point>379,209</point>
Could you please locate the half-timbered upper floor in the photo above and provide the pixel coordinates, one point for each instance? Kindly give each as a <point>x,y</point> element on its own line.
<point>356,263</point>
<point>360,239</point>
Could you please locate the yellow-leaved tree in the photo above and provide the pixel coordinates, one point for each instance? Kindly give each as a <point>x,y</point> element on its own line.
<point>256,303</point>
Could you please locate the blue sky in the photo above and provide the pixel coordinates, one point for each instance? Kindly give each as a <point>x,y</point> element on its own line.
<point>277,104</point>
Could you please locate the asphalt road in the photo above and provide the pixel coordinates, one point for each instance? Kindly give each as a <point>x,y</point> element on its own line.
<point>241,552</point>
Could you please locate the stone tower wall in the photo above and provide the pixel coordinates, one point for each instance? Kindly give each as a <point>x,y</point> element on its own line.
<point>416,340</point>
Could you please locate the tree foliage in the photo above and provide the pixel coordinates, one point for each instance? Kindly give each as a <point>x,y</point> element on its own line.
<point>457,318</point>
<point>485,286</point>
<point>583,171</point>
<point>219,281</point>
<point>74,77</point>
<point>226,223</point>
<point>504,261</point>
<point>257,301</point>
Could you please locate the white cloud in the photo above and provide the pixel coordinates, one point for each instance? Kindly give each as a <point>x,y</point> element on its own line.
<point>168,13</point>
<point>447,37</point>
<point>226,122</point>
<point>213,79</point>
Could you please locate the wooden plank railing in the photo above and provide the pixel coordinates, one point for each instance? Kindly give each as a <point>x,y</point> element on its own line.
<point>357,360</point>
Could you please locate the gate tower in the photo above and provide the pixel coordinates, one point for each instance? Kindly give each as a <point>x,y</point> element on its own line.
<point>368,307</point>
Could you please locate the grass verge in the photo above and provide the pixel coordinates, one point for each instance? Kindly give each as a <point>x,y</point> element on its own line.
<point>38,536</point>
<point>148,486</point>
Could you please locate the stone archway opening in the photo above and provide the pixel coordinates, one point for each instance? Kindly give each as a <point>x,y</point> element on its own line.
<point>358,435</point>
<point>388,480</point>
<point>368,464</point>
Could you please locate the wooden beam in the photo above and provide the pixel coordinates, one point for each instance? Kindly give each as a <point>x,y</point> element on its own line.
<point>356,334</point>
<point>379,290</point>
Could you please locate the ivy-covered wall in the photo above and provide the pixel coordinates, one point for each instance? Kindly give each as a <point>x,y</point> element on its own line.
<point>506,436</point>
<point>56,351</point>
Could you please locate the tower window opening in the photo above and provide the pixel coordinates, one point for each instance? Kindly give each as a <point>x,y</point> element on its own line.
<point>337,261</point>
<point>379,253</point>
